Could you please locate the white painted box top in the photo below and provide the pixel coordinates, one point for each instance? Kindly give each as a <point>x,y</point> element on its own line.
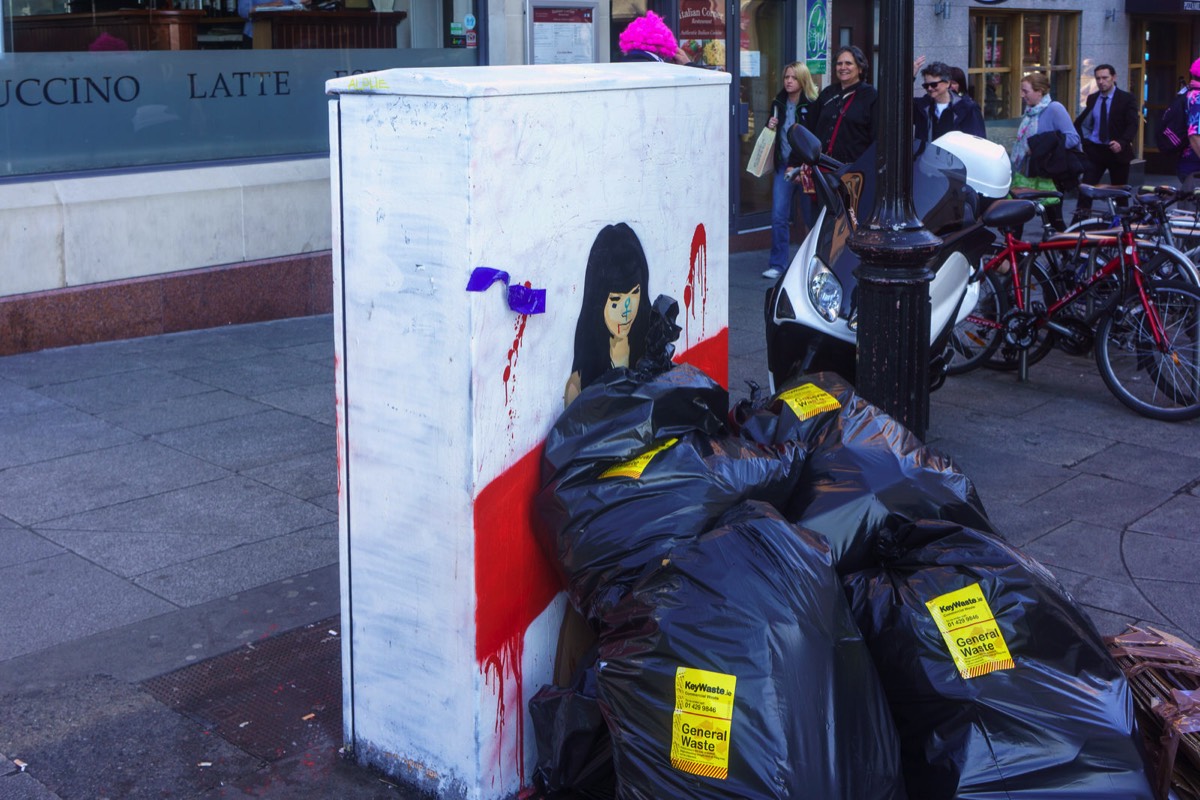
<point>524,79</point>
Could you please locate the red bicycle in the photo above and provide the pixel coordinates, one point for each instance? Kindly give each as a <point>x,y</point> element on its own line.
<point>1145,329</point>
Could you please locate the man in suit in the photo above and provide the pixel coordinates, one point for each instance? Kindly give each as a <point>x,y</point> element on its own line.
<point>1107,128</point>
<point>941,110</point>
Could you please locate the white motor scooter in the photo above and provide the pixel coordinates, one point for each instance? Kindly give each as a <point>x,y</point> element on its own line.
<point>811,312</point>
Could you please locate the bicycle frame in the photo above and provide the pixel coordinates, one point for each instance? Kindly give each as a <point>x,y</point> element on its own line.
<point>1125,262</point>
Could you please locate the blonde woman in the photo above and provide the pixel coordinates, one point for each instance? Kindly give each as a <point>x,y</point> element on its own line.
<point>794,105</point>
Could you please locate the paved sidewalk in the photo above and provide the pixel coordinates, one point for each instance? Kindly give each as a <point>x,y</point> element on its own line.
<point>171,501</point>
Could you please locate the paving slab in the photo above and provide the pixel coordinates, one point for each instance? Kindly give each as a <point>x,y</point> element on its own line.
<point>999,475</point>
<point>132,553</point>
<point>1101,501</point>
<point>160,416</point>
<point>1029,439</point>
<point>233,506</point>
<point>314,401</point>
<point>66,364</point>
<point>98,479</point>
<point>252,440</point>
<point>230,571</point>
<point>45,435</point>
<point>1089,549</point>
<point>1018,524</point>
<point>1178,517</point>
<point>307,476</point>
<point>1117,597</point>
<point>17,401</point>
<point>261,374</point>
<point>178,351</point>
<point>1177,602</point>
<point>1109,623</point>
<point>1145,466</point>
<point>143,649</point>
<point>109,392</point>
<point>1162,557</point>
<point>65,597</point>
<point>980,392</point>
<point>18,546</point>
<point>99,737</point>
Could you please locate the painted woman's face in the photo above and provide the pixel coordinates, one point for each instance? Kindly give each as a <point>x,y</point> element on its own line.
<point>620,310</point>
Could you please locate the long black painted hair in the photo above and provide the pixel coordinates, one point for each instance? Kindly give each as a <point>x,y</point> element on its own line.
<point>615,264</point>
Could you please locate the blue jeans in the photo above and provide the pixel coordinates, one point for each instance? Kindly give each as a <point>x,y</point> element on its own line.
<point>782,194</point>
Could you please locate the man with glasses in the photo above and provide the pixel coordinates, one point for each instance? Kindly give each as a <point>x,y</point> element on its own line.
<point>1107,128</point>
<point>941,110</point>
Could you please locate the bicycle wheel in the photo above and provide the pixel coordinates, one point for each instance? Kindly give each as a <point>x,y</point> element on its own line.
<point>976,338</point>
<point>1166,265</point>
<point>1155,383</point>
<point>1042,294</point>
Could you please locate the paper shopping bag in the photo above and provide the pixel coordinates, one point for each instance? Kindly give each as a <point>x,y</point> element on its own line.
<point>762,157</point>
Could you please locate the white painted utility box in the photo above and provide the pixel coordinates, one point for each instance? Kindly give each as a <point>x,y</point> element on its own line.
<point>450,612</point>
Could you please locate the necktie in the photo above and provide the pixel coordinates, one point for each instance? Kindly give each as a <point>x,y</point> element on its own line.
<point>1103,135</point>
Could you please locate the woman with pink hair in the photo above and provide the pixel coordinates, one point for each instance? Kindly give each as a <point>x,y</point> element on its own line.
<point>649,39</point>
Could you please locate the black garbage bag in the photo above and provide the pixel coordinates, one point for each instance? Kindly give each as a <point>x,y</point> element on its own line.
<point>639,462</point>
<point>574,749</point>
<point>734,670</point>
<point>864,470</point>
<point>1017,697</point>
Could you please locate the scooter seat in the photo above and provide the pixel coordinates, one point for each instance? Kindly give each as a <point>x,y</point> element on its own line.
<point>1009,213</point>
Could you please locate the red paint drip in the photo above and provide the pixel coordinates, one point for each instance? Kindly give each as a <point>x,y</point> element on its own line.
<point>513,352</point>
<point>504,666</point>
<point>697,279</point>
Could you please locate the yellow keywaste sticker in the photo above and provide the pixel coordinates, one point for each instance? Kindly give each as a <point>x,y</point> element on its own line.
<point>971,632</point>
<point>634,467</point>
<point>701,724</point>
<point>809,400</point>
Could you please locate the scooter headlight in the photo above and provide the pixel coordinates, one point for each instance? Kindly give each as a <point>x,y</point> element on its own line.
<point>824,291</point>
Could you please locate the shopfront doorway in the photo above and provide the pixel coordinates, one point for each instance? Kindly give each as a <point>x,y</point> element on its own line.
<point>752,40</point>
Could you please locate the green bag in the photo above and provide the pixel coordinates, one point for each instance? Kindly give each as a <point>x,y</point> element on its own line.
<point>1020,181</point>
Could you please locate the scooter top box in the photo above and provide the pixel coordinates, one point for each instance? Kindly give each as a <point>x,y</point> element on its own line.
<point>989,171</point>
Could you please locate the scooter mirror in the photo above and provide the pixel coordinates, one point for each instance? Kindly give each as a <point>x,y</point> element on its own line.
<point>807,146</point>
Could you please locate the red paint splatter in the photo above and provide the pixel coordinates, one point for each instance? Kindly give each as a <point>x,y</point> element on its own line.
<point>514,579</point>
<point>504,666</point>
<point>711,356</point>
<point>697,277</point>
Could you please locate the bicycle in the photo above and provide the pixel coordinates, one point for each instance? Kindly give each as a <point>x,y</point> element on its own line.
<point>1054,267</point>
<point>1147,331</point>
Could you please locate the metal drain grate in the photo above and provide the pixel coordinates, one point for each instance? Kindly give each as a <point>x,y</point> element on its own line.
<point>272,698</point>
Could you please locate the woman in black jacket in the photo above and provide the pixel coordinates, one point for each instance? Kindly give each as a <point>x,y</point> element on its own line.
<point>794,105</point>
<point>846,116</point>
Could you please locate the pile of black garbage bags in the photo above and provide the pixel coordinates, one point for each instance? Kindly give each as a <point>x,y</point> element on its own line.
<point>800,600</point>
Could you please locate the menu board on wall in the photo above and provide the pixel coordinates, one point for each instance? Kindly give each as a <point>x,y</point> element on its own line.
<point>702,31</point>
<point>562,32</point>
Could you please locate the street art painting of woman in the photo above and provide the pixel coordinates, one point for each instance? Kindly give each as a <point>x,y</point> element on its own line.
<point>614,315</point>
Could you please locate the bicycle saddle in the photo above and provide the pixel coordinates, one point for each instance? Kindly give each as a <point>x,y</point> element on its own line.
<point>1009,213</point>
<point>1105,192</point>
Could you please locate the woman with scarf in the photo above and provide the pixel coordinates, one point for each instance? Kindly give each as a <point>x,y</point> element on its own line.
<point>1033,157</point>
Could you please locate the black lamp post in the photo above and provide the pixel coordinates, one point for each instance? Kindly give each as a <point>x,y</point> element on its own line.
<point>894,247</point>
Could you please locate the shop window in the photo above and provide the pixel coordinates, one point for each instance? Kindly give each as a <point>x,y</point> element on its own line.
<point>97,84</point>
<point>1005,46</point>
